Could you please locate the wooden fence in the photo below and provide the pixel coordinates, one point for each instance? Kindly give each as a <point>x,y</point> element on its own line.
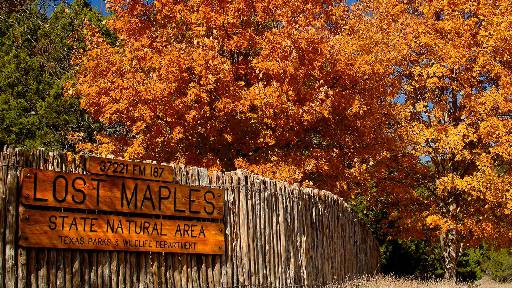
<point>277,235</point>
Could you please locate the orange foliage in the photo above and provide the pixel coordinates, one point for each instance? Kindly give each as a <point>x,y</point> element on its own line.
<point>283,88</point>
<point>454,111</point>
<point>345,98</point>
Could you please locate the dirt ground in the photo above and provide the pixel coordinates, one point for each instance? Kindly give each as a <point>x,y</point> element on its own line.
<point>394,282</point>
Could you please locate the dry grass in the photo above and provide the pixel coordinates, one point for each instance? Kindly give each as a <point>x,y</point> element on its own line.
<point>394,282</point>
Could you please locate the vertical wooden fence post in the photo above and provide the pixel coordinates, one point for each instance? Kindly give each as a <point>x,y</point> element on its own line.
<point>275,234</point>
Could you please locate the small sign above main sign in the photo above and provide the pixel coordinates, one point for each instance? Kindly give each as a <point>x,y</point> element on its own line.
<point>107,193</point>
<point>52,229</point>
<point>124,168</point>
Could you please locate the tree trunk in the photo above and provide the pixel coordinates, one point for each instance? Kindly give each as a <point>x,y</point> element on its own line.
<point>450,245</point>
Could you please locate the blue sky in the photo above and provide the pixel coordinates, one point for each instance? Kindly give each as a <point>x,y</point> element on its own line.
<point>98,4</point>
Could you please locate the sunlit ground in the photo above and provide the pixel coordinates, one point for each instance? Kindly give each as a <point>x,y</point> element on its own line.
<point>392,282</point>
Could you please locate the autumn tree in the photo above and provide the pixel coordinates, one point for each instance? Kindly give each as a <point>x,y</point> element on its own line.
<point>283,88</point>
<point>453,112</point>
<point>406,101</point>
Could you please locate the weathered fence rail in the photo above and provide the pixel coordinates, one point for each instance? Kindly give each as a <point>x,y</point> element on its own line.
<point>277,235</point>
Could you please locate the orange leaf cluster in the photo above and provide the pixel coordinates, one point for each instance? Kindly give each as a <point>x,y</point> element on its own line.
<point>408,101</point>
<point>454,111</point>
<point>284,88</point>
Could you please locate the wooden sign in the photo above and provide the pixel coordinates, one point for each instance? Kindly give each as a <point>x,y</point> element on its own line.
<point>58,189</point>
<point>123,168</point>
<point>107,232</point>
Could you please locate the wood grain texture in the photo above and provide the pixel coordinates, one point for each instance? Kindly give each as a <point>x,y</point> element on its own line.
<point>129,169</point>
<point>71,190</point>
<point>3,219</point>
<point>276,234</point>
<point>10,231</point>
<point>107,232</point>
<point>22,268</point>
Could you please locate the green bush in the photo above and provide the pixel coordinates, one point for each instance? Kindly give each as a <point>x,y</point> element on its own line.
<point>36,53</point>
<point>411,258</point>
<point>469,265</point>
<point>498,264</point>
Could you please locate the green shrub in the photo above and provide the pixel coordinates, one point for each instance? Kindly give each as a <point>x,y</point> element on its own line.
<point>498,264</point>
<point>411,258</point>
<point>469,265</point>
